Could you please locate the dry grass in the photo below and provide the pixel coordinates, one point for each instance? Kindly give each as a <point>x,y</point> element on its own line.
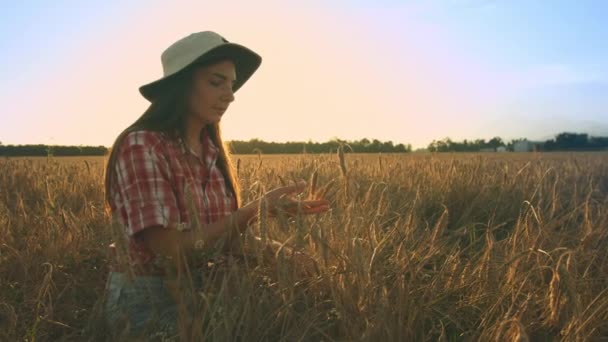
<point>417,247</point>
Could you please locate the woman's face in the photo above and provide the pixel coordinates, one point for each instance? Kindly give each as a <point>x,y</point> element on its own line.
<point>212,91</point>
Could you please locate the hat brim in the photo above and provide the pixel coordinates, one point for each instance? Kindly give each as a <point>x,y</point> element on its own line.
<point>246,63</point>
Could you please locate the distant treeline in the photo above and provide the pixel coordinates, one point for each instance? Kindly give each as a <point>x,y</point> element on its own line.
<point>447,145</point>
<point>358,146</point>
<point>562,142</point>
<point>574,142</point>
<point>45,150</point>
<point>238,147</point>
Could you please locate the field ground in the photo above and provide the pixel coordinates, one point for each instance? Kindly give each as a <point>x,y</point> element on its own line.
<point>416,247</point>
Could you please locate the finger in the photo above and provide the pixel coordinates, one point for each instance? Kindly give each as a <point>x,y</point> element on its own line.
<point>307,211</point>
<point>315,203</point>
<point>294,208</point>
<point>291,203</point>
<point>316,210</point>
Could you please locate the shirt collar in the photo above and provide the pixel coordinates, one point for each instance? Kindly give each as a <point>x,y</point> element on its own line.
<point>209,149</point>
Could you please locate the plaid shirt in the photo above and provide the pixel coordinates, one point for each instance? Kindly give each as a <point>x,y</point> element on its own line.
<point>161,182</point>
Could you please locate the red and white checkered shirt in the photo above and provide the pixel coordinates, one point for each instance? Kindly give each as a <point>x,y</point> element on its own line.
<point>161,182</point>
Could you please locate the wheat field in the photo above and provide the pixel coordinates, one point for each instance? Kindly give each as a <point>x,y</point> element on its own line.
<point>417,247</point>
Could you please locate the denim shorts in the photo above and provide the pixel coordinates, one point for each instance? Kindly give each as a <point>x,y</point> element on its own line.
<point>140,306</point>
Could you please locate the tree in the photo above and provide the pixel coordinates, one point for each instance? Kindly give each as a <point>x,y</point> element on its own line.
<point>495,142</point>
<point>571,140</point>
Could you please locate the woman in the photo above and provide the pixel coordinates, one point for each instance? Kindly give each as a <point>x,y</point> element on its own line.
<point>170,184</point>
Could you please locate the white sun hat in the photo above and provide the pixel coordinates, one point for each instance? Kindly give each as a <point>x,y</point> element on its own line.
<point>198,48</point>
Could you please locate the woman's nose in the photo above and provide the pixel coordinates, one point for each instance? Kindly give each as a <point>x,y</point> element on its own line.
<point>228,95</point>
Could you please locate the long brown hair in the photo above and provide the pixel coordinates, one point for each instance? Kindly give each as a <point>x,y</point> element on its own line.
<point>167,114</point>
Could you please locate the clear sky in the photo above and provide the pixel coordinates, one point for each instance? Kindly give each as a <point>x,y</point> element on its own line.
<point>409,71</point>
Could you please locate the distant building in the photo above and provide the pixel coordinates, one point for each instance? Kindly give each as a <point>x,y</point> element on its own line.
<point>522,146</point>
<point>526,146</point>
<point>501,149</point>
<point>487,149</point>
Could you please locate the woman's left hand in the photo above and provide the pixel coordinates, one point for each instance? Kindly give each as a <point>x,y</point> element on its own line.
<point>281,200</point>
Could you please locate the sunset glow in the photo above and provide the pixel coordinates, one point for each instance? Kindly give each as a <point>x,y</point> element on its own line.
<point>409,71</point>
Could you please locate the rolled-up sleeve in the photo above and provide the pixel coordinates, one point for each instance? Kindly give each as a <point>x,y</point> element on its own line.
<point>143,179</point>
